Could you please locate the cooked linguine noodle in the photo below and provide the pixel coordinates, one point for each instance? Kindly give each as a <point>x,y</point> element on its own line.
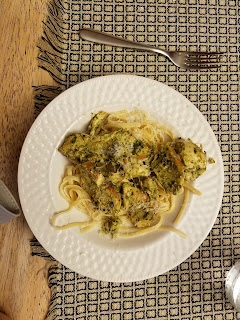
<point>126,173</point>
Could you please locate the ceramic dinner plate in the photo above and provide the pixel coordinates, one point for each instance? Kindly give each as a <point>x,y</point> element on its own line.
<point>41,168</point>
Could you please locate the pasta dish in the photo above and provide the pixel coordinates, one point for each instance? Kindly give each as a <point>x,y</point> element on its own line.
<point>126,172</point>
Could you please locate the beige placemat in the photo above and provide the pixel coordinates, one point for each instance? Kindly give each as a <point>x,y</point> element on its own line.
<point>195,289</point>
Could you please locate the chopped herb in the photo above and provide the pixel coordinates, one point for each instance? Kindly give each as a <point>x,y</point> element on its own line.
<point>111,204</point>
<point>137,147</point>
<point>145,214</point>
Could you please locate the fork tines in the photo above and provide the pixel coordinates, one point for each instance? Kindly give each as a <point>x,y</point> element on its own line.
<point>203,60</point>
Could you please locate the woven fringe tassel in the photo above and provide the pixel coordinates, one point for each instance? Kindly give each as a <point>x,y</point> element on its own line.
<point>51,49</point>
<point>38,250</point>
<point>43,95</point>
<point>51,272</point>
<point>54,42</point>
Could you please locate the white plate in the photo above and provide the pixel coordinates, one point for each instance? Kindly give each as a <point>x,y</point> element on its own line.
<point>41,167</point>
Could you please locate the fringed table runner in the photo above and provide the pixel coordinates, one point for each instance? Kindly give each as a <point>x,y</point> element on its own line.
<point>194,289</point>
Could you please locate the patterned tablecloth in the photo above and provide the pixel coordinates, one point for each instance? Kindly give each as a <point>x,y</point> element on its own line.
<point>194,289</point>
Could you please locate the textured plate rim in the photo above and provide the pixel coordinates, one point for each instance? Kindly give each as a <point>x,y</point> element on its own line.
<point>112,78</point>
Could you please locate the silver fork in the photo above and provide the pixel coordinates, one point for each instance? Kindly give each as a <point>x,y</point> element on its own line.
<point>182,59</point>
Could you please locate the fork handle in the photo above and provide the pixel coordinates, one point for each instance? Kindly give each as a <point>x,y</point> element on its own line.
<point>103,38</point>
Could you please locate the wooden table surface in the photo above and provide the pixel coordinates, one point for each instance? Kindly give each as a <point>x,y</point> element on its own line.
<point>24,292</point>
